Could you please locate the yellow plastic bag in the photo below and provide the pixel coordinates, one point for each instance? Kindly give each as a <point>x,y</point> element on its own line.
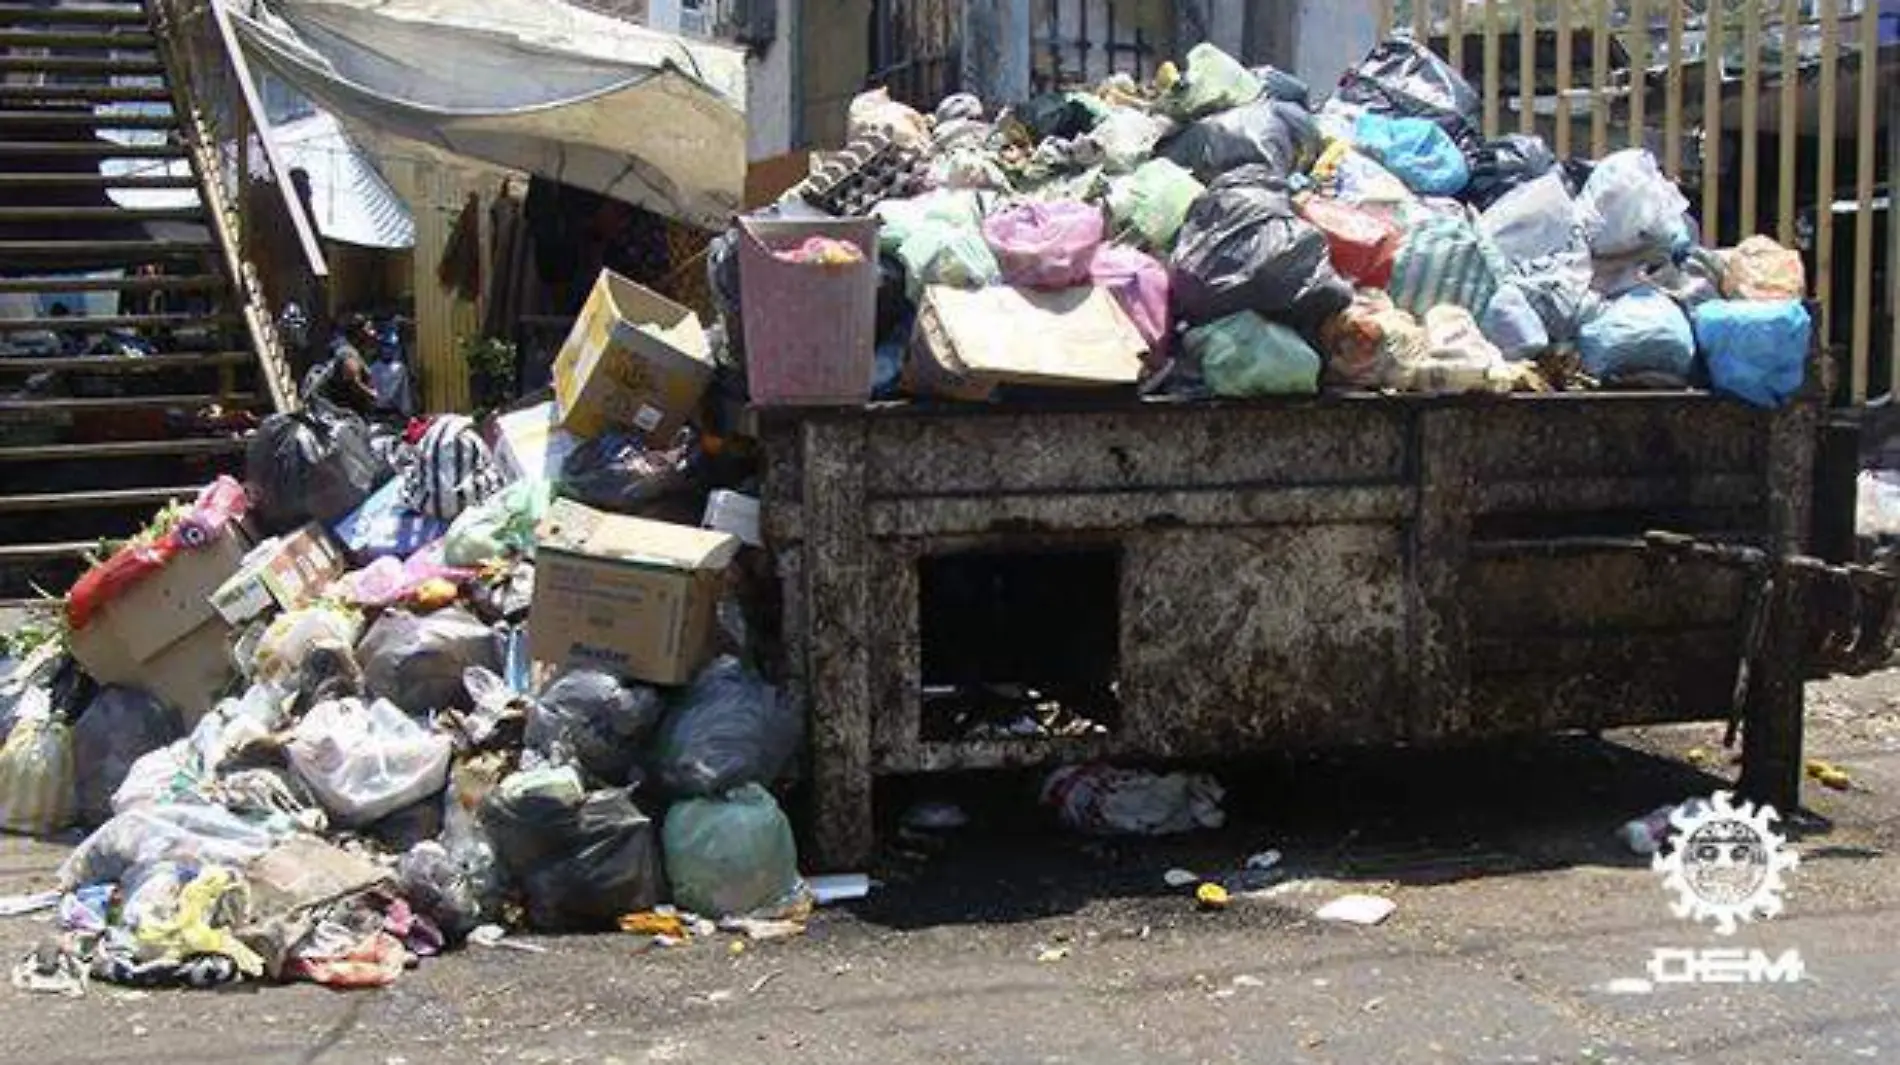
<point>217,895</point>
<point>37,777</point>
<point>1760,269</point>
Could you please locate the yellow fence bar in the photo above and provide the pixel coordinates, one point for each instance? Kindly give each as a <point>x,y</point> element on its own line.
<point>1751,115</point>
<point>1422,20</point>
<point>1599,78</point>
<point>1564,79</point>
<point>1386,18</point>
<point>1830,12</point>
<point>1672,95</point>
<point>1490,68</point>
<point>1867,80</point>
<point>1790,118</point>
<point>1639,72</point>
<point>1455,34</point>
<point>1712,122</point>
<point>1527,66</point>
<point>1893,237</point>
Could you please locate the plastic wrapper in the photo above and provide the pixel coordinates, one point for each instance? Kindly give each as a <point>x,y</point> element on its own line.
<point>1362,242</point>
<point>1244,249</point>
<point>118,728</point>
<point>728,728</point>
<point>582,859</point>
<point>1643,332</point>
<point>317,463</point>
<point>1367,343</point>
<point>1760,269</point>
<point>1500,165</point>
<point>1244,355</point>
<point>731,856</point>
<point>1444,261</point>
<point>188,833</point>
<point>1403,78</point>
<point>1757,349</point>
<point>1271,133</point>
<point>500,526</point>
<point>1150,204</point>
<point>1045,245</point>
<point>1105,800</point>
<point>37,779</point>
<point>1213,81</point>
<point>417,662</point>
<point>1416,151</point>
<point>364,763</point>
<point>1140,286</point>
<point>279,654</point>
<point>597,720</point>
<point>1630,209</point>
<point>620,472</point>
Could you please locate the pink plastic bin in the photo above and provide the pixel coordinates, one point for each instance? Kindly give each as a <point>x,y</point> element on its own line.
<point>810,330</point>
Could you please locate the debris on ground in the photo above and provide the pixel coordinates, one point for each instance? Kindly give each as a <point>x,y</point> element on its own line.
<point>1829,775</point>
<point>1357,909</point>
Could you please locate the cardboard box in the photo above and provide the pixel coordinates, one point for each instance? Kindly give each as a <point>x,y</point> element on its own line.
<point>624,594</point>
<point>635,360</point>
<point>970,341</point>
<point>530,443</point>
<point>282,573</point>
<point>163,635</point>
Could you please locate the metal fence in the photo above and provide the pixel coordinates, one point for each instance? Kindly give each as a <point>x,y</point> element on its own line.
<point>919,45</point>
<point>1770,114</point>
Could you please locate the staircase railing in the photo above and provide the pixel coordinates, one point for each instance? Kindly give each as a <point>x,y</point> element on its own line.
<point>262,222</point>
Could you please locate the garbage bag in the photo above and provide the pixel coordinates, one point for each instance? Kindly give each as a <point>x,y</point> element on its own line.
<point>728,728</point>
<point>620,472</point>
<point>1128,137</point>
<point>188,833</point>
<point>1244,355</point>
<point>1505,163</point>
<point>596,720</point>
<point>1511,323</point>
<point>1444,261</point>
<point>1243,249</point>
<point>1045,245</point>
<point>1692,280</point>
<point>1458,358</point>
<point>874,113</point>
<point>120,726</point>
<point>456,881</point>
<point>959,208</point>
<point>1105,800</point>
<point>1271,133</point>
<point>500,526</point>
<point>582,859</point>
<point>1760,269</point>
<point>1402,78</point>
<point>158,776</point>
<point>1368,343</point>
<point>1213,81</point>
<point>1629,208</point>
<point>732,855</point>
<point>1062,115</point>
<point>1362,243</point>
<point>417,662</point>
<point>364,763</point>
<point>1140,286</point>
<point>1757,349</point>
<point>317,463</point>
<point>1416,151</point>
<point>943,253</point>
<point>37,780</point>
<point>1641,332</point>
<point>1277,84</point>
<point>1536,220</point>
<point>1152,203</point>
<point>385,527</point>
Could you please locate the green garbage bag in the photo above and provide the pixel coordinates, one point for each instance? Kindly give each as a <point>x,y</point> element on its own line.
<point>941,253</point>
<point>1245,355</point>
<point>499,526</point>
<point>901,219</point>
<point>1213,81</point>
<point>1151,204</point>
<point>731,856</point>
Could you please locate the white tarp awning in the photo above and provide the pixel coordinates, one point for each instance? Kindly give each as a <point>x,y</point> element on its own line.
<point>350,201</point>
<point>534,85</point>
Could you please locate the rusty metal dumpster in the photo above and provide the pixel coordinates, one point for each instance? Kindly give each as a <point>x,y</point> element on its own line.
<point>1344,570</point>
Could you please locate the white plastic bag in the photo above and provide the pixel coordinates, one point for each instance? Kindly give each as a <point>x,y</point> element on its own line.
<point>366,762</point>
<point>1104,800</point>
<point>184,832</point>
<point>1629,208</point>
<point>1534,220</point>
<point>36,771</point>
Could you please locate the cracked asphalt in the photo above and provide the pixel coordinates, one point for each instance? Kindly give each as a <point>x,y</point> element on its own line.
<point>1521,924</point>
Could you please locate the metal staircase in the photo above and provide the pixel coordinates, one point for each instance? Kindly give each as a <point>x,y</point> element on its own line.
<point>136,346</point>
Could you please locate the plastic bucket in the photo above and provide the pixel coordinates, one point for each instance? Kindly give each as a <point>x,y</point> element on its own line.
<point>810,329</point>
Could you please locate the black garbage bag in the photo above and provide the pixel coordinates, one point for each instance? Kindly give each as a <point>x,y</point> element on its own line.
<point>728,728</point>
<point>1058,114</point>
<point>582,863</point>
<point>1402,77</point>
<point>455,881</point>
<point>620,472</point>
<point>596,721</point>
<point>119,726</point>
<point>1244,249</point>
<point>418,661</point>
<point>1278,135</point>
<point>1277,84</point>
<point>317,463</point>
<point>1498,166</point>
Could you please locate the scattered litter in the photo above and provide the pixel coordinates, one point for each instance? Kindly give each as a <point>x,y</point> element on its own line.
<point>1247,980</point>
<point>1180,878</point>
<point>1265,860</point>
<point>759,984</point>
<point>493,935</point>
<point>1629,985</point>
<point>1211,897</point>
<point>838,887</point>
<point>1829,775</point>
<point>20,905</point>
<point>761,929</point>
<point>1646,835</point>
<point>1104,800</point>
<point>1051,954</point>
<point>1357,909</point>
<point>936,816</point>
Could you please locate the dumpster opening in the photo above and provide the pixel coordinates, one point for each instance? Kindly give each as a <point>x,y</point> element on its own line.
<point>1019,644</point>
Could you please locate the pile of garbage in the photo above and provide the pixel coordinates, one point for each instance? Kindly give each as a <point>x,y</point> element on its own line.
<point>315,738</point>
<point>1211,234</point>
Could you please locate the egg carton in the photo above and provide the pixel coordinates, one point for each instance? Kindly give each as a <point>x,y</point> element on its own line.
<point>868,171</point>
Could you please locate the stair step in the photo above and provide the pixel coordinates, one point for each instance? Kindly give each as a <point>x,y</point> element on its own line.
<point>118,252</point>
<point>92,149</point>
<point>50,552</point>
<point>73,323</point>
<point>22,410</point>
<point>83,119</point>
<point>122,363</point>
<point>57,283</point>
<point>101,181</point>
<point>139,39</point>
<point>138,94</point>
<point>102,214</point>
<point>123,449</point>
<point>101,497</point>
<point>78,64</point>
<point>90,15</point>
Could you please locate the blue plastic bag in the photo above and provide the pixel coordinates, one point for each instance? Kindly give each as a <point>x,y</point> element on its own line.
<point>1757,350</point>
<point>385,526</point>
<point>1641,332</point>
<point>1417,150</point>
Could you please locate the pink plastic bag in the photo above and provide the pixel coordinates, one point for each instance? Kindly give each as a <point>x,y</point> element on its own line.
<point>1045,245</point>
<point>1140,285</point>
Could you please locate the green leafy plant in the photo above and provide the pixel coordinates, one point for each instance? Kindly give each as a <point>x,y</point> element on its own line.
<point>491,365</point>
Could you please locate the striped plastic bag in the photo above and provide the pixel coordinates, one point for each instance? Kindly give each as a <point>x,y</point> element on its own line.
<point>1445,261</point>
<point>37,780</point>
